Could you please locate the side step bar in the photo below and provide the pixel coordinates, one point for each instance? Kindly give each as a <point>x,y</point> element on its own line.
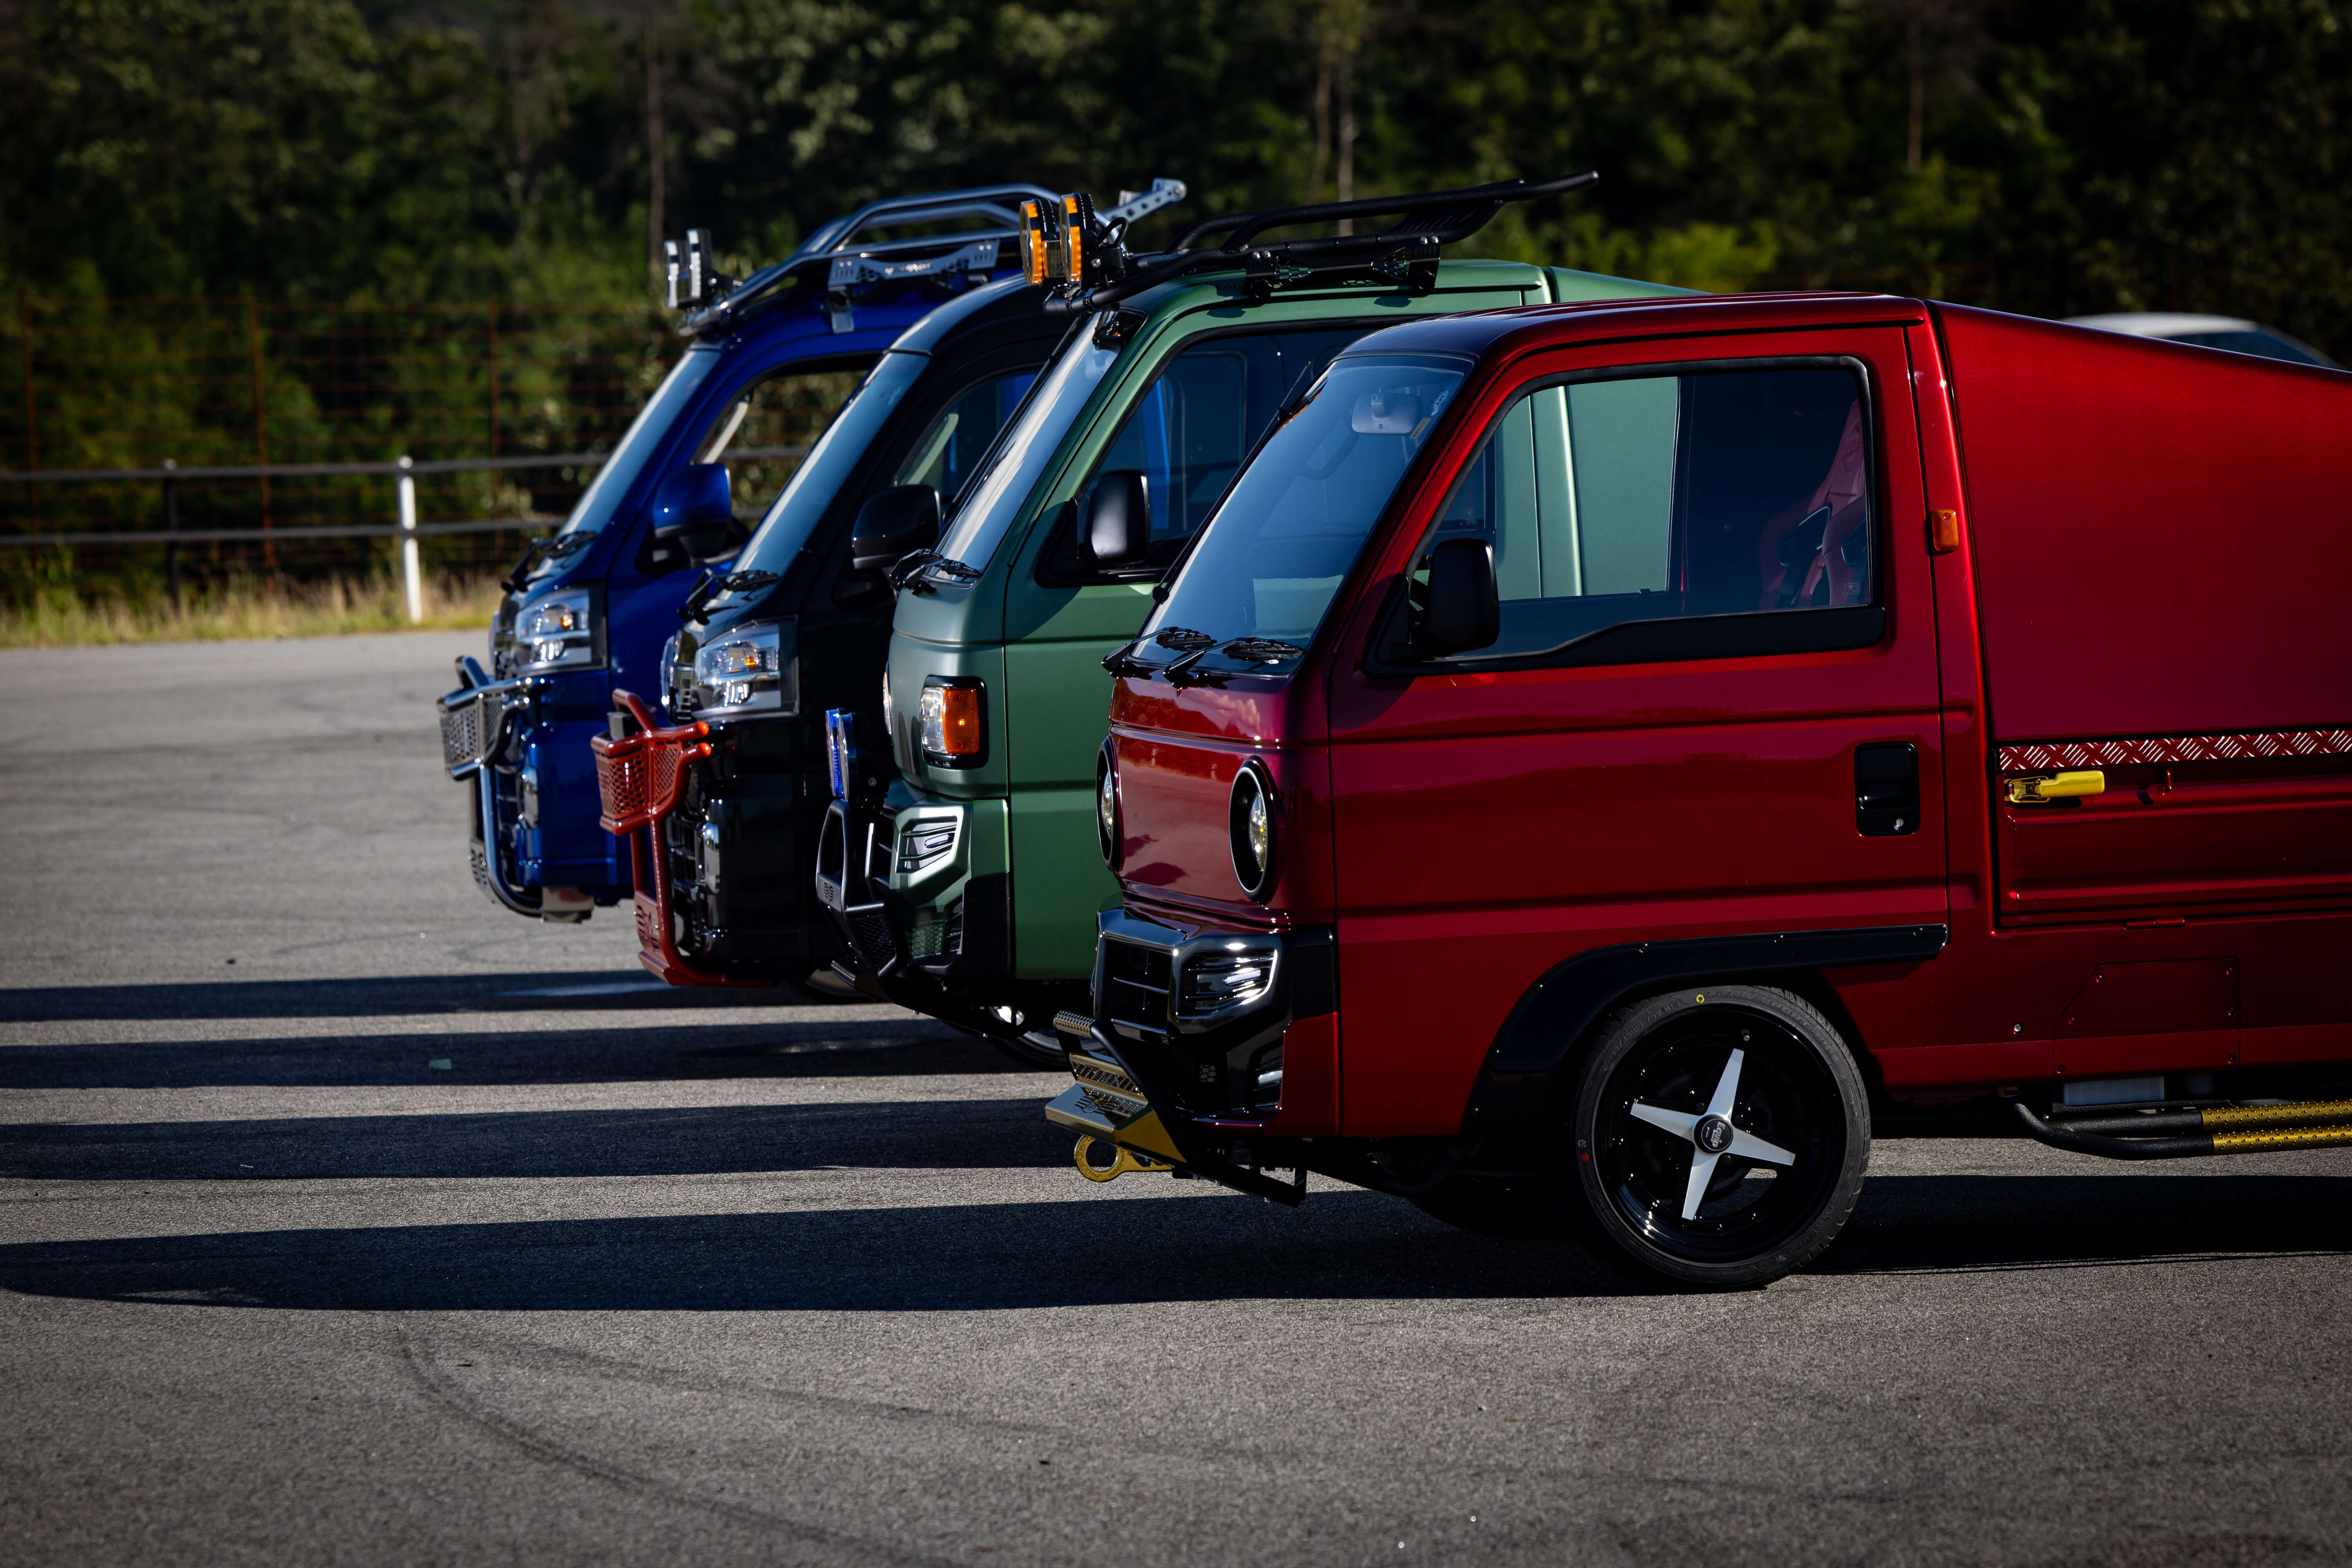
<point>2190,1134</point>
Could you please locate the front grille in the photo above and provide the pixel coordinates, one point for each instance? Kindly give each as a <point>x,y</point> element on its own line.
<point>940,936</point>
<point>469,731</point>
<point>1134,984</point>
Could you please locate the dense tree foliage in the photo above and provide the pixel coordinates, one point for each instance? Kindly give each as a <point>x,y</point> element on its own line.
<point>2052,155</point>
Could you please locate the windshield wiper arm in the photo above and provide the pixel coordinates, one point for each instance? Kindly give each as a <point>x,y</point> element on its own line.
<point>1192,647</point>
<point>1262,650</point>
<point>913,564</point>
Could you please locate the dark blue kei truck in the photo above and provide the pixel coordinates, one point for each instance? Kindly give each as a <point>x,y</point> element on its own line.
<point>588,609</point>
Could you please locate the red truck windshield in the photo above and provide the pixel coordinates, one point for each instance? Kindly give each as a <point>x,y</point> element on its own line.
<point>1292,524</point>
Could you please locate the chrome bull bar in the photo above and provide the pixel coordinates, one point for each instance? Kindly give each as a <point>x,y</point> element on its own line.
<point>478,722</point>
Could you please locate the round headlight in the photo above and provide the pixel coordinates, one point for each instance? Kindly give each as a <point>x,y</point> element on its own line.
<point>1106,808</point>
<point>1250,819</point>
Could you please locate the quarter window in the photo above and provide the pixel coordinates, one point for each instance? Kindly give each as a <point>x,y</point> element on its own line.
<point>1667,497</point>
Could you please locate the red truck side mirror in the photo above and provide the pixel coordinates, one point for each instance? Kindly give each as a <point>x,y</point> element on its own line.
<point>1463,610</point>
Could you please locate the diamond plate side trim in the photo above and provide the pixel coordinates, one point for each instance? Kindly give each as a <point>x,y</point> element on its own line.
<point>2037,756</point>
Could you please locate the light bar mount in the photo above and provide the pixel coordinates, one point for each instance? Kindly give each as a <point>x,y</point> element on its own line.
<point>1405,254</point>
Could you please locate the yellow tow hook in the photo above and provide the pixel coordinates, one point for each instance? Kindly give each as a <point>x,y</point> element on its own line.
<point>1122,1161</point>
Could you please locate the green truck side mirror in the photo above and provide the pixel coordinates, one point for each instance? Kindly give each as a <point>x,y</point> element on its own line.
<point>1118,524</point>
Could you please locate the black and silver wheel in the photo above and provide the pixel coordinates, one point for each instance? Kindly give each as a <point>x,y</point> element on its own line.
<point>1717,1135</point>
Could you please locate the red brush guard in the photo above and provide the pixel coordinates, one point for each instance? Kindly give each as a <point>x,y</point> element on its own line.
<point>639,778</point>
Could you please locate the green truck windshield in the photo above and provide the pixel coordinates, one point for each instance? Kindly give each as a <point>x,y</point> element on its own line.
<point>1274,552</point>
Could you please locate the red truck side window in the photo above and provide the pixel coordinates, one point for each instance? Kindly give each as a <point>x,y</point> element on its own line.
<point>1652,498</point>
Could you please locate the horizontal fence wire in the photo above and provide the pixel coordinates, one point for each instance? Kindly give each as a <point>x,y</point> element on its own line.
<point>286,421</point>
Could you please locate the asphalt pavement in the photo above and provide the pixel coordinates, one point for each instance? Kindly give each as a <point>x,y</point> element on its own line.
<point>347,1218</point>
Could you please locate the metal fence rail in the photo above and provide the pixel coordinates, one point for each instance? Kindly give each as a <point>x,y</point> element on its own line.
<point>403,470</point>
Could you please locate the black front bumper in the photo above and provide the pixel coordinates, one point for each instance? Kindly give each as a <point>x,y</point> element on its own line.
<point>1182,1060</point>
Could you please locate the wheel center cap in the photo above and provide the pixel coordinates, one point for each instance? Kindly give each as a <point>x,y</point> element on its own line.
<point>1712,1134</point>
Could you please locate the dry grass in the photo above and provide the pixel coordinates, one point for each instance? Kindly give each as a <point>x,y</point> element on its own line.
<point>249,608</point>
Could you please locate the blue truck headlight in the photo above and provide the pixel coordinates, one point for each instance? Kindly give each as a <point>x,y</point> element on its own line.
<point>558,632</point>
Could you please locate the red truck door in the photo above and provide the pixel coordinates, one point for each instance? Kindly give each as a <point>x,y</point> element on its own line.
<point>1712,709</point>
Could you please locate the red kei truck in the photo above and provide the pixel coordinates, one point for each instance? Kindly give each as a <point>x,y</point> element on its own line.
<point>1601,761</point>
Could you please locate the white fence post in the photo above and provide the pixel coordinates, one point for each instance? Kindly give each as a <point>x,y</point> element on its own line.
<point>410,570</point>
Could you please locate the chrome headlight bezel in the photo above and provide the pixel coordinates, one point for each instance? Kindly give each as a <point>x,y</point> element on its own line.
<point>747,672</point>
<point>1253,831</point>
<point>560,632</point>
<point>1109,833</point>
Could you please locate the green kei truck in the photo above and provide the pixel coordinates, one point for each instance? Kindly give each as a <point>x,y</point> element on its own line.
<point>960,859</point>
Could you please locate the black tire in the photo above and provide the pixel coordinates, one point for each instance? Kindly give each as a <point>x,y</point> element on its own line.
<point>1519,1211</point>
<point>1625,1185</point>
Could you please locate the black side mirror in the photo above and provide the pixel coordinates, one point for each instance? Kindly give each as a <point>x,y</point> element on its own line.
<point>694,509</point>
<point>1464,610</point>
<point>1118,524</point>
<point>893,523</point>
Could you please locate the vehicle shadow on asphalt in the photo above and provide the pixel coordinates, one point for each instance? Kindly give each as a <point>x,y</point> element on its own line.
<point>785,1048</point>
<point>1343,1244</point>
<point>538,991</point>
<point>944,1134</point>
<point>1199,1245</point>
<point>1979,1223</point>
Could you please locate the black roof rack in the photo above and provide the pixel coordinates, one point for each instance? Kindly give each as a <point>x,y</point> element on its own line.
<point>847,264</point>
<point>1405,253</point>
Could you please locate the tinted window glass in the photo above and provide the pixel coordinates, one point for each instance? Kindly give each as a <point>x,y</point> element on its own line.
<point>1660,497</point>
<point>1273,556</point>
<point>1190,433</point>
<point>946,454</point>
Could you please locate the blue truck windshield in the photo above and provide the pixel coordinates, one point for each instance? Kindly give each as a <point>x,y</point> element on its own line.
<point>643,438</point>
<point>1274,554</point>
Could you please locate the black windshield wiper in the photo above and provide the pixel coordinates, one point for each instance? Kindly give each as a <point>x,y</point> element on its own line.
<point>914,564</point>
<point>1192,647</point>
<point>1262,650</point>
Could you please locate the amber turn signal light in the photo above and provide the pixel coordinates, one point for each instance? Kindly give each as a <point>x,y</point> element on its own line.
<point>953,731</point>
<point>1944,530</point>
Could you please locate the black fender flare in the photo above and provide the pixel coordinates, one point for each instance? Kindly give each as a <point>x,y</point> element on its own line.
<point>1514,1088</point>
